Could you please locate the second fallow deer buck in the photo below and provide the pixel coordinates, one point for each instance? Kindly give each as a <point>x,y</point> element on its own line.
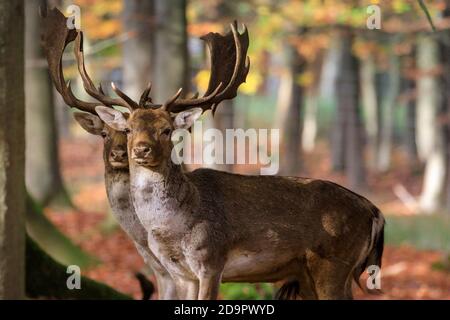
<point>56,36</point>
<point>209,226</point>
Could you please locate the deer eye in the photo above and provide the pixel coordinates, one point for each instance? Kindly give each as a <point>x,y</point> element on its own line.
<point>127,130</point>
<point>103,134</point>
<point>166,132</point>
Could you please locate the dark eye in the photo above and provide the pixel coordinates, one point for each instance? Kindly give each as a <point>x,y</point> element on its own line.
<point>127,130</point>
<point>166,132</point>
<point>103,134</point>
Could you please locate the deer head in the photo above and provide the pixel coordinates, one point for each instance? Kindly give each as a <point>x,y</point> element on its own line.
<point>114,142</point>
<point>55,38</point>
<point>149,128</point>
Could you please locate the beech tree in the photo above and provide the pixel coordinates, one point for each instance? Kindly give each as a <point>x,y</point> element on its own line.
<point>12,127</point>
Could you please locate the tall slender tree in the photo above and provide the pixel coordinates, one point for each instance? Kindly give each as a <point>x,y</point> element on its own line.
<point>43,176</point>
<point>348,131</point>
<point>293,125</point>
<point>430,132</point>
<point>139,22</point>
<point>170,52</point>
<point>388,103</point>
<point>371,106</point>
<point>12,187</point>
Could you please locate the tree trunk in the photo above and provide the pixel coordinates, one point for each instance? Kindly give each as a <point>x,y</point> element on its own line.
<point>292,135</point>
<point>371,108</point>
<point>170,54</point>
<point>430,134</point>
<point>388,103</point>
<point>349,117</point>
<point>138,21</point>
<point>409,84</point>
<point>43,177</point>
<point>12,126</point>
<point>309,131</point>
<point>339,127</point>
<point>446,99</point>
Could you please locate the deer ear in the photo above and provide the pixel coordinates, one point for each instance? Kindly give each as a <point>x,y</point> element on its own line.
<point>185,119</point>
<point>89,122</point>
<point>112,118</point>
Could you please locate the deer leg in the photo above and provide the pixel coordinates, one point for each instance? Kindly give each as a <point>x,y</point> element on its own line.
<point>307,290</point>
<point>209,287</point>
<point>166,286</point>
<point>330,278</point>
<point>187,289</point>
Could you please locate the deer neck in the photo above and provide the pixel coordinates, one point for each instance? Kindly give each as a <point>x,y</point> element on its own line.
<point>118,190</point>
<point>161,193</point>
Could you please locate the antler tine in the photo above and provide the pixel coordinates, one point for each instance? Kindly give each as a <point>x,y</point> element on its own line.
<point>238,64</point>
<point>145,97</point>
<point>124,100</point>
<point>89,85</point>
<point>170,102</point>
<point>229,68</point>
<point>174,104</point>
<point>195,95</point>
<point>56,36</point>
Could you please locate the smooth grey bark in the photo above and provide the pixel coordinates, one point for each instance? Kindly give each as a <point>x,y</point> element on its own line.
<point>445,49</point>
<point>309,130</point>
<point>371,107</point>
<point>388,103</point>
<point>339,126</point>
<point>430,133</point>
<point>292,128</point>
<point>170,53</point>
<point>12,127</point>
<point>409,86</point>
<point>348,127</point>
<point>139,21</point>
<point>43,177</point>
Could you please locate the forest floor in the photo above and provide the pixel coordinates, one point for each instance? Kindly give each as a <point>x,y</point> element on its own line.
<point>408,272</point>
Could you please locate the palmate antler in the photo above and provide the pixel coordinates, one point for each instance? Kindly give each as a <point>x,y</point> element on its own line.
<point>229,68</point>
<point>55,38</point>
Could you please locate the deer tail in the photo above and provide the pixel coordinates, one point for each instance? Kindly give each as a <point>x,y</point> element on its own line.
<point>376,245</point>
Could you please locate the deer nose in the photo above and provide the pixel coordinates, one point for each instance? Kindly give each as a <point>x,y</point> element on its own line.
<point>118,154</point>
<point>142,150</point>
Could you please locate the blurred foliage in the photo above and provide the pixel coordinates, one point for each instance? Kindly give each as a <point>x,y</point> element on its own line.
<point>100,19</point>
<point>429,232</point>
<point>274,24</point>
<point>247,291</point>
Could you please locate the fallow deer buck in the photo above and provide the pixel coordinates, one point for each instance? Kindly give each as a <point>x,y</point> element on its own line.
<point>55,38</point>
<point>209,226</point>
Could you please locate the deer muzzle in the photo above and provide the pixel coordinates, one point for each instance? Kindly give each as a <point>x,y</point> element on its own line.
<point>118,158</point>
<point>143,154</point>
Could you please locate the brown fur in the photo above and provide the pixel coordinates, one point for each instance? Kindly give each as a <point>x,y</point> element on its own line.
<point>210,226</point>
<point>117,181</point>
